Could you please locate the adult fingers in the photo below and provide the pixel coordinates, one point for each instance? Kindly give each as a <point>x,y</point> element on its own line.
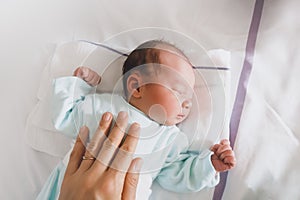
<point>78,151</point>
<point>132,179</point>
<point>93,147</point>
<point>123,158</point>
<point>111,144</point>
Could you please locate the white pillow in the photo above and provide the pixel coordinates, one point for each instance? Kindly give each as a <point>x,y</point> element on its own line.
<point>205,125</point>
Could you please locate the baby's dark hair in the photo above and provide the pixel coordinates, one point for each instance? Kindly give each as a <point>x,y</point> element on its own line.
<point>147,53</point>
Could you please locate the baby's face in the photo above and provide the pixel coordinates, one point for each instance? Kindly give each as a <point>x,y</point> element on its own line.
<point>168,99</point>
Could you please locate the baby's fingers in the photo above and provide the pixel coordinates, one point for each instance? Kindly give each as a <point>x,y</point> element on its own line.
<point>81,72</point>
<point>90,76</point>
<point>223,148</point>
<point>225,142</point>
<point>230,160</point>
<point>225,154</point>
<point>215,147</point>
<point>93,78</point>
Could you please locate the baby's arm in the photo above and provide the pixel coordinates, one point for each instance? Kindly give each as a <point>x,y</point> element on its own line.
<point>185,171</point>
<point>189,172</point>
<point>71,102</point>
<point>87,74</point>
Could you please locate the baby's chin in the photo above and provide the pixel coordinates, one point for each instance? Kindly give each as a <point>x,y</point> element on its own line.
<point>167,122</point>
<point>172,122</point>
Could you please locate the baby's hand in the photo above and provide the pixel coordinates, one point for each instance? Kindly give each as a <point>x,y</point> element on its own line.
<point>90,76</point>
<point>223,158</point>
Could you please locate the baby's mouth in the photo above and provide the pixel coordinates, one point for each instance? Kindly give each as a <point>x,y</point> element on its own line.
<point>180,116</point>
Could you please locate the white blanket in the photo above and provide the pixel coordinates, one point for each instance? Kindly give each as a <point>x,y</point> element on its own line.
<point>206,124</point>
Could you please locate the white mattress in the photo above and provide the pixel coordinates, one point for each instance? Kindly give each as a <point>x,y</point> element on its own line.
<point>267,145</point>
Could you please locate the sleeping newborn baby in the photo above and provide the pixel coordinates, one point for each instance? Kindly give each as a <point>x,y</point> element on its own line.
<point>158,82</point>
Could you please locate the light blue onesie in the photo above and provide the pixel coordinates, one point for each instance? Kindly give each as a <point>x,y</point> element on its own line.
<point>164,149</point>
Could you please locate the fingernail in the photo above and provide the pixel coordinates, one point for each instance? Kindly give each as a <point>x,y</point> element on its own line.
<point>83,129</point>
<point>138,164</point>
<point>122,114</point>
<point>107,117</point>
<point>83,132</point>
<point>135,126</point>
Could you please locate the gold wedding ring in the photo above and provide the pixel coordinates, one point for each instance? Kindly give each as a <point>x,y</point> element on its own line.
<point>88,158</point>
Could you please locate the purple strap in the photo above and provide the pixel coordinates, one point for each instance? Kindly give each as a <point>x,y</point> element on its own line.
<point>212,68</point>
<point>242,89</point>
<point>105,47</point>
<point>124,54</point>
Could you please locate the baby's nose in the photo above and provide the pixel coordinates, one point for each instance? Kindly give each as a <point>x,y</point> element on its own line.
<point>187,104</point>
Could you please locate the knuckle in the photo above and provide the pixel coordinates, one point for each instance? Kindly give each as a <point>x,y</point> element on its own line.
<point>112,139</point>
<point>126,148</point>
<point>132,181</point>
<point>109,187</point>
<point>92,146</point>
<point>115,138</point>
<point>108,146</point>
<point>120,125</point>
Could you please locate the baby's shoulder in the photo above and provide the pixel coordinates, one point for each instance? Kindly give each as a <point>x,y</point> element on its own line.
<point>176,135</point>
<point>107,97</point>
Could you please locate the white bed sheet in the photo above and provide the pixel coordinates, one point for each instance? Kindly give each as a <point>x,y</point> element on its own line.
<point>267,146</point>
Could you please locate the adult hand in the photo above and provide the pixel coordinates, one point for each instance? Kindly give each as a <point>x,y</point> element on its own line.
<point>113,174</point>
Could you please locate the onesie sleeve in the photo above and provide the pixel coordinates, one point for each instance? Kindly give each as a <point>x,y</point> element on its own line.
<point>68,99</point>
<point>185,171</point>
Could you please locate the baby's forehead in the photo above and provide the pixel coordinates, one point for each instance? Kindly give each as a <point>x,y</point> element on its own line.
<point>172,59</point>
<point>165,50</point>
<point>175,68</point>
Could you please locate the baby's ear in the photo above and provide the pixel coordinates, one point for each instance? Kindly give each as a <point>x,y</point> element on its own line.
<point>134,82</point>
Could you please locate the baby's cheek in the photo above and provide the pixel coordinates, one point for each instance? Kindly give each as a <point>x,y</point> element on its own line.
<point>173,106</point>
<point>170,102</point>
